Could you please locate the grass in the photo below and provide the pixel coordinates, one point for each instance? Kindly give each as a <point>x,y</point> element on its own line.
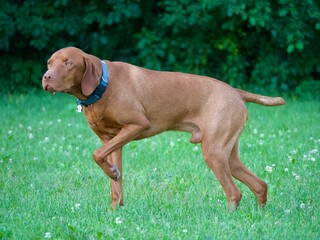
<point>51,188</point>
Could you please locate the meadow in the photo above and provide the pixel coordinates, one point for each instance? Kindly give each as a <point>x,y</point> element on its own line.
<point>52,189</point>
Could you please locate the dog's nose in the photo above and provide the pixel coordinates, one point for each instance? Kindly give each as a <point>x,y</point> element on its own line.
<point>46,80</point>
<point>47,76</point>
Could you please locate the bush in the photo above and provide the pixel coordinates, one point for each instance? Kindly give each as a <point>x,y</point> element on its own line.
<point>269,43</point>
<point>309,90</point>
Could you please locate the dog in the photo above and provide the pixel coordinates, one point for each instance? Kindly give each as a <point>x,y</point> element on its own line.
<point>123,102</point>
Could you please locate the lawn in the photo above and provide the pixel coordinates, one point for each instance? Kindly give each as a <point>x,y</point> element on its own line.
<point>51,188</point>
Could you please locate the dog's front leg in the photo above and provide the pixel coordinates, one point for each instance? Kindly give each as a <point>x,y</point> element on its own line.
<point>115,158</point>
<point>126,134</point>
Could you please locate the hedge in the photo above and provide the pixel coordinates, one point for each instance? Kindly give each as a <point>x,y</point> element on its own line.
<point>271,44</point>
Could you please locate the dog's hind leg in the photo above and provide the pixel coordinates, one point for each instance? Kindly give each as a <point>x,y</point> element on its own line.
<point>221,129</point>
<point>240,172</point>
<point>217,158</point>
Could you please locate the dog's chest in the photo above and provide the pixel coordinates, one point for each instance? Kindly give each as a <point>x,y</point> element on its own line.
<point>101,124</point>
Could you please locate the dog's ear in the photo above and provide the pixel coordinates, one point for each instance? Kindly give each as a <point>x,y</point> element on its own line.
<point>91,76</point>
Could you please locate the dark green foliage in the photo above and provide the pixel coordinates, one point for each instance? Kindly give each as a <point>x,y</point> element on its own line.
<point>309,90</point>
<point>271,45</point>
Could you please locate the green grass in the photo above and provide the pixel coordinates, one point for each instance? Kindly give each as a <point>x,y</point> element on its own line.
<point>51,187</point>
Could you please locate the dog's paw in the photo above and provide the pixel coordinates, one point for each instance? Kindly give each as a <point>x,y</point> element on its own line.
<point>116,173</point>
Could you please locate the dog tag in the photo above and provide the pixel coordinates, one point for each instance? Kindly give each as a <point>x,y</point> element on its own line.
<point>79,108</point>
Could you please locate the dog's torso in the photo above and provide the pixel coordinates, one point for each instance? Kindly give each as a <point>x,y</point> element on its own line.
<point>169,100</point>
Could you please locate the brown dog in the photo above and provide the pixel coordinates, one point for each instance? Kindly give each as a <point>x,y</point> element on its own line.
<point>123,102</point>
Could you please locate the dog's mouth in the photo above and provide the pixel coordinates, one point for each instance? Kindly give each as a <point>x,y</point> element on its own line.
<point>50,89</point>
<point>53,91</point>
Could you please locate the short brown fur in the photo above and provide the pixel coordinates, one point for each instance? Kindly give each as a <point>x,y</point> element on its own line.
<point>140,103</point>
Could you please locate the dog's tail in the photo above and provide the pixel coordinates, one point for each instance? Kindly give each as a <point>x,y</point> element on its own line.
<point>262,100</point>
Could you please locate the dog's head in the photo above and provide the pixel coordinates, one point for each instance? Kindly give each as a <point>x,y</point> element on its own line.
<point>72,71</point>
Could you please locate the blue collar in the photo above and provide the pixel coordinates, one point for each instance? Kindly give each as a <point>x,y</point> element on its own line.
<point>97,94</point>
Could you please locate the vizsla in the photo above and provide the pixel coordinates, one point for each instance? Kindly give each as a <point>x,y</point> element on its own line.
<point>123,102</point>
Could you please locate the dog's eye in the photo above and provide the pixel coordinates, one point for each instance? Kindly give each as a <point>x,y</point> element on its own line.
<point>67,63</point>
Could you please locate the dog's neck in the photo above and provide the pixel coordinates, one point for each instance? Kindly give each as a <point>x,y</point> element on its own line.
<point>97,94</point>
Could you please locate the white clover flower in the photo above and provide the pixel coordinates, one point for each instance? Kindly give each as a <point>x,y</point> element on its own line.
<point>297,177</point>
<point>118,220</point>
<point>30,136</point>
<point>77,205</point>
<point>171,144</point>
<point>29,128</point>
<point>286,169</point>
<point>294,152</point>
<point>46,139</point>
<point>302,205</point>
<point>141,230</point>
<point>269,169</point>
<point>10,132</point>
<point>47,235</point>
<point>185,230</point>
<point>313,151</point>
<point>287,211</point>
<point>255,131</point>
<point>195,148</point>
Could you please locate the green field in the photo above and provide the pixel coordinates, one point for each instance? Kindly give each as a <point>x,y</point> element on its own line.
<point>51,188</point>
